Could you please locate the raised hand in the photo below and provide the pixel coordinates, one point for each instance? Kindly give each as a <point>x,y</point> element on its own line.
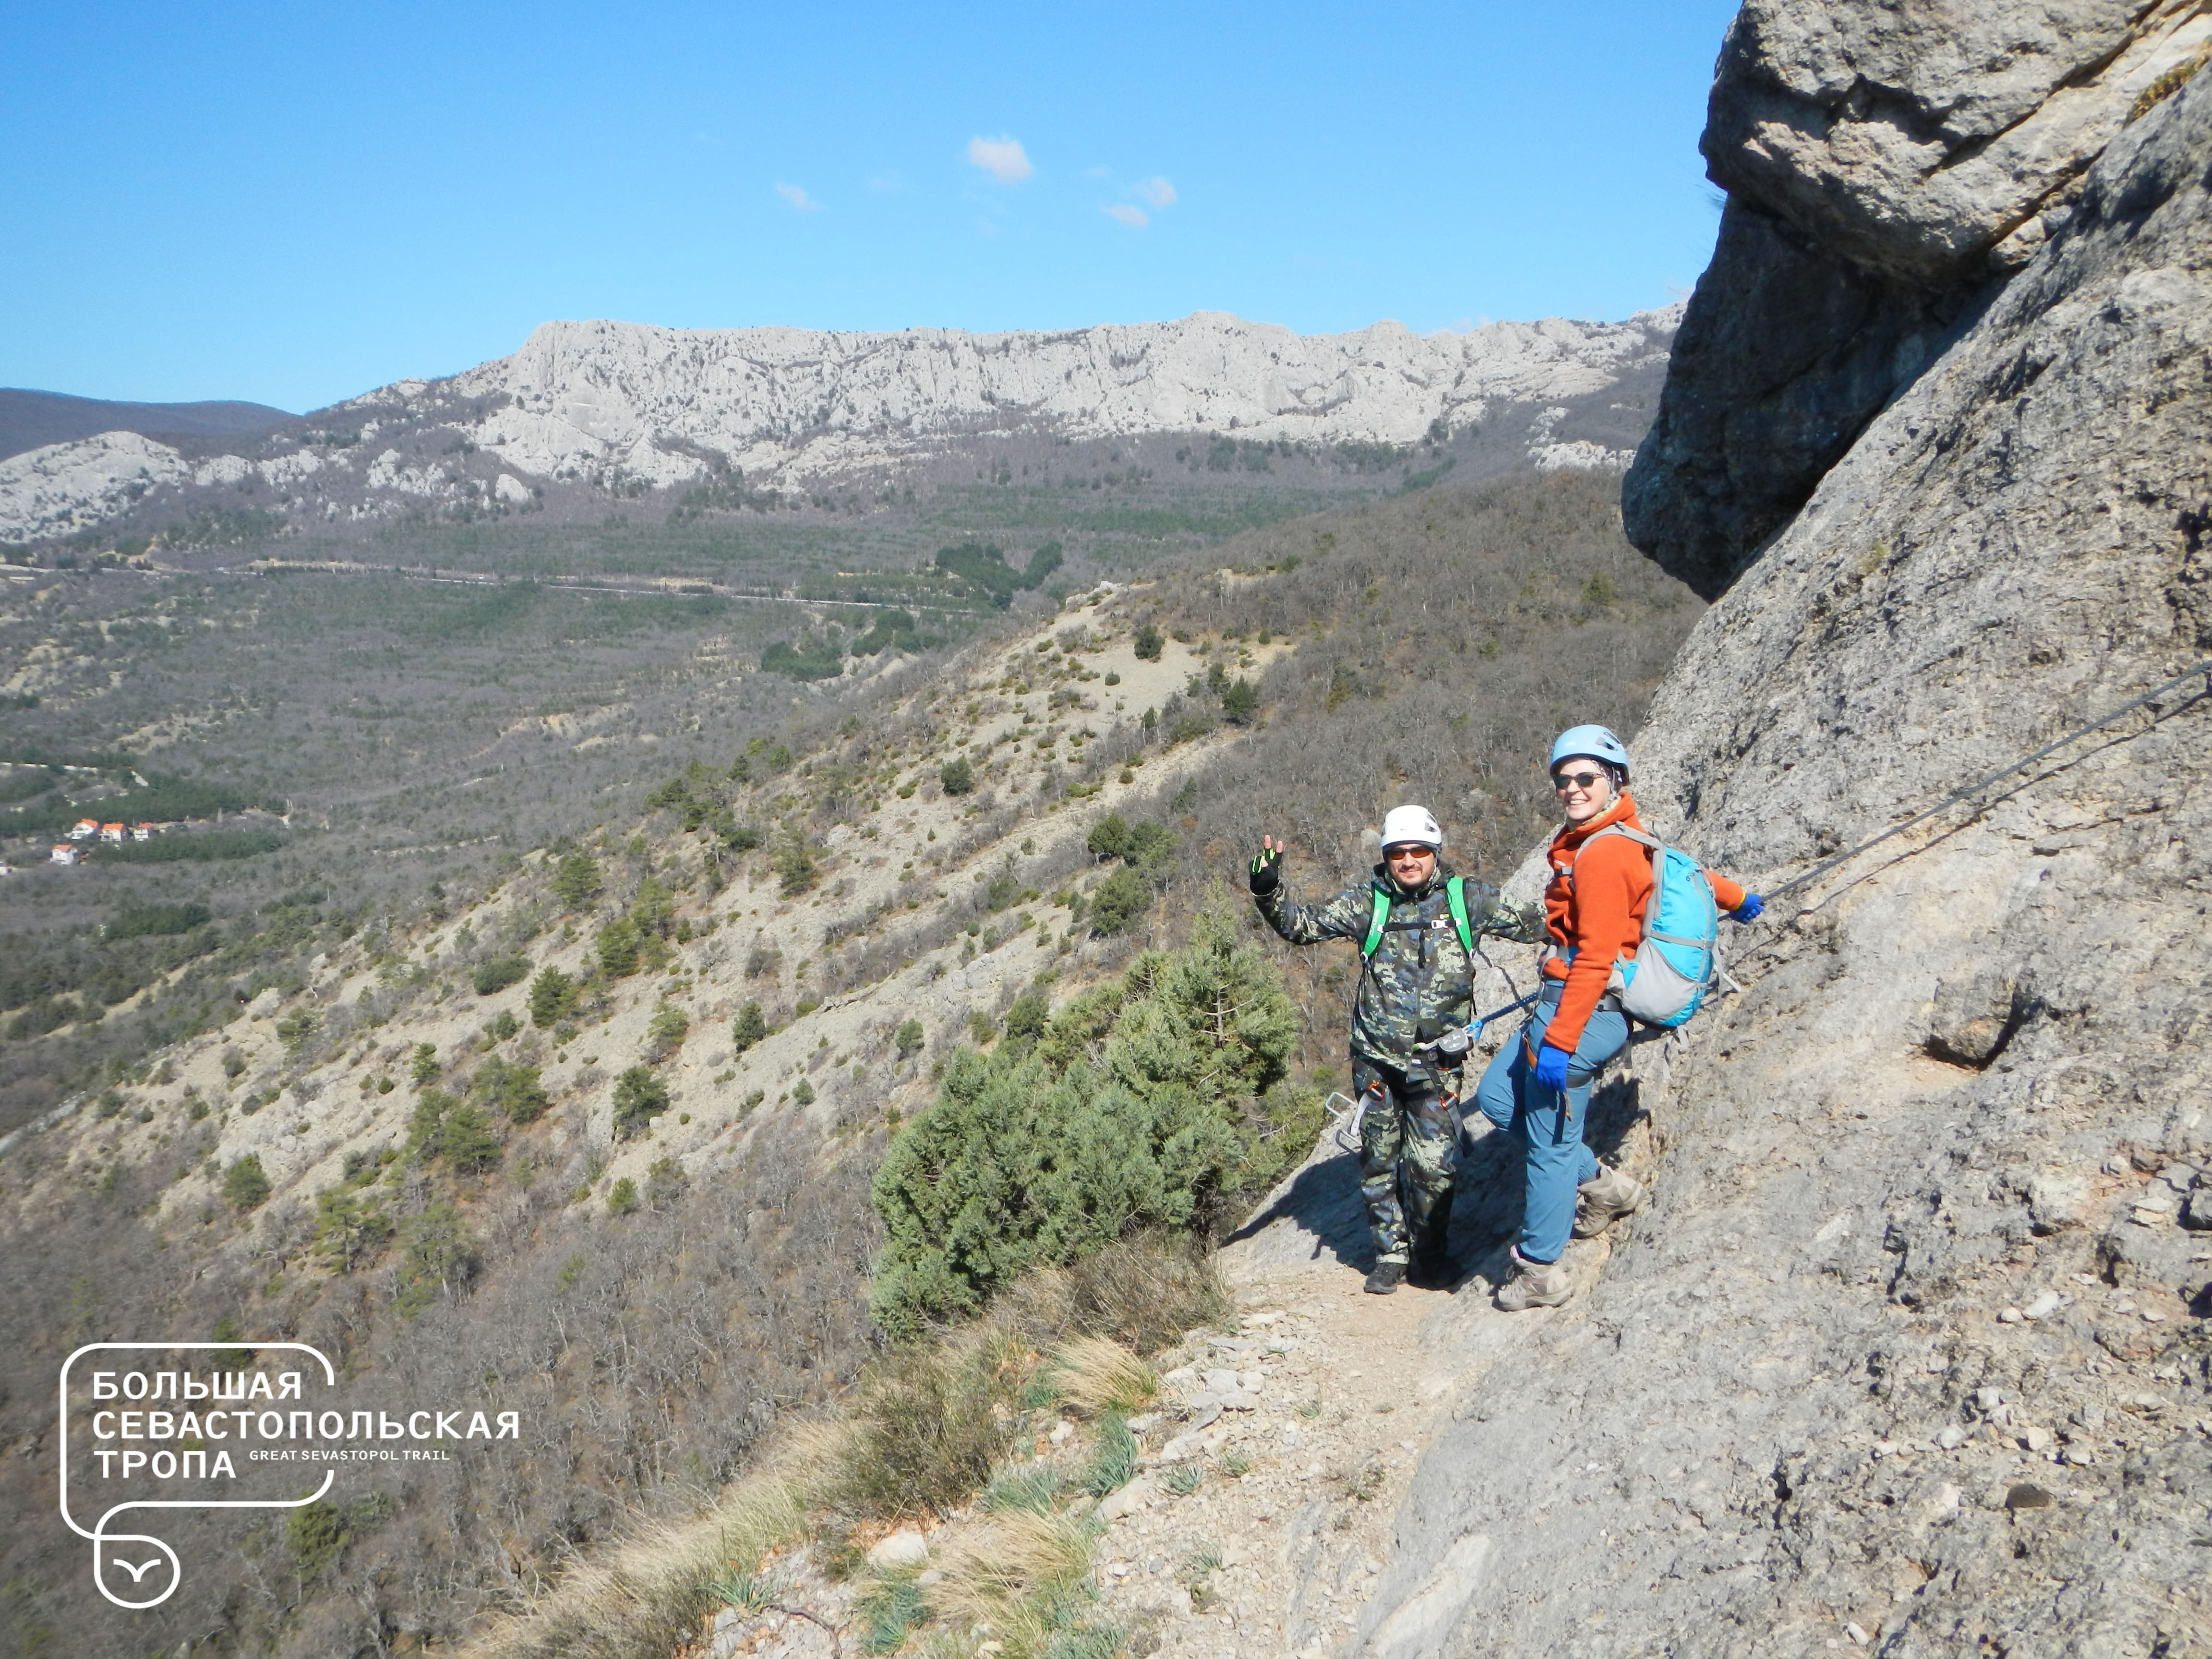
<point>1266,867</point>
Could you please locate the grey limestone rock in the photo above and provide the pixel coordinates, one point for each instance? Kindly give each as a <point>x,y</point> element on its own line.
<point>1962,1064</point>
<point>1889,168</point>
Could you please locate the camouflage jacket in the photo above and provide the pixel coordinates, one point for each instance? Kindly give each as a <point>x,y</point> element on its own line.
<point>1419,972</point>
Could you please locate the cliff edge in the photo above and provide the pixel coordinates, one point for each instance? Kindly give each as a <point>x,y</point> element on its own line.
<point>1910,1353</point>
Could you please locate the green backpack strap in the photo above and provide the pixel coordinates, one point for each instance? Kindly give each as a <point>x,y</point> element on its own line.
<point>1454,896</point>
<point>1376,920</point>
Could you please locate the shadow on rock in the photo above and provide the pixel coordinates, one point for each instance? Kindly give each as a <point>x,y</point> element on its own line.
<point>1323,1199</point>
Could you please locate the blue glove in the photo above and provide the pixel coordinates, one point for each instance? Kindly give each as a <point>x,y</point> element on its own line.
<point>1552,1068</point>
<point>1749,910</point>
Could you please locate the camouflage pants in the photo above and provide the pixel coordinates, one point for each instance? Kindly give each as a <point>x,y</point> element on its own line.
<point>1408,1150</point>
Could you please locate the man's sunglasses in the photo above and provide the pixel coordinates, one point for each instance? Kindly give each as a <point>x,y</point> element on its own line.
<point>1575,780</point>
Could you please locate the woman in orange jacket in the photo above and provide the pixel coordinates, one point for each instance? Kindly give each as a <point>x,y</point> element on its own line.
<point>1539,1086</point>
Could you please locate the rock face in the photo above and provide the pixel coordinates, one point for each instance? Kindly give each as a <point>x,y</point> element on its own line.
<point>60,488</point>
<point>776,400</point>
<point>1910,1350</point>
<point>1887,169</point>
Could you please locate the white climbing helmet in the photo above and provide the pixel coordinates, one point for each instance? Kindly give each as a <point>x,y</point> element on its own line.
<point>1402,824</point>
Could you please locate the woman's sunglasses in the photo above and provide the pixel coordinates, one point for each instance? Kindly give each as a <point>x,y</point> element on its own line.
<point>1575,780</point>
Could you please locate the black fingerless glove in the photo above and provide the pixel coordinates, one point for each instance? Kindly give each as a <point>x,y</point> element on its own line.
<point>1267,871</point>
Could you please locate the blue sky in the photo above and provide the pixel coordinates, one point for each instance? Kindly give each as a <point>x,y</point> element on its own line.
<point>294,204</point>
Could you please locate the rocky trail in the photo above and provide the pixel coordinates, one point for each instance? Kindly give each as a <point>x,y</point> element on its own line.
<point>1330,1472</point>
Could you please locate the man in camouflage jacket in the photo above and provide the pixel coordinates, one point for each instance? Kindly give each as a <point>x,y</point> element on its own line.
<point>1418,984</point>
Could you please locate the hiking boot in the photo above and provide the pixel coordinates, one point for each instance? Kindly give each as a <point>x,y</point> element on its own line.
<point>1600,1202</point>
<point>1535,1284</point>
<point>1385,1278</point>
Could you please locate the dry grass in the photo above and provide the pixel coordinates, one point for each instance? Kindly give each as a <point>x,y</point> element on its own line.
<point>649,1595</point>
<point>1018,1576</point>
<point>928,1423</point>
<point>1094,1374</point>
<point>1143,1293</point>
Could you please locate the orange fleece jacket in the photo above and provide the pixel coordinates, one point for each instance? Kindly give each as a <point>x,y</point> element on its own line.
<point>1599,914</point>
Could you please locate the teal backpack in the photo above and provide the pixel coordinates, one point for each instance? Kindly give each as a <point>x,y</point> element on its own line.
<point>1454,896</point>
<point>1678,961</point>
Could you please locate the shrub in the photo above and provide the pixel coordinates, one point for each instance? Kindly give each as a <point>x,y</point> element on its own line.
<point>517,1091</point>
<point>748,1029</point>
<point>246,1184</point>
<point>666,1182</point>
<point>465,1143</point>
<point>423,1068</point>
<point>802,1094</point>
<point>440,1259</point>
<point>552,998</point>
<point>665,1032</point>
<point>1027,1019</point>
<point>1108,837</point>
<point>619,946</point>
<point>622,1197</point>
<point>640,1097</point>
<point>908,1039</point>
<point>576,880</point>
<point>1240,702</point>
<point>796,869</point>
<point>1149,643</point>
<point>956,776</point>
<point>315,1534</point>
<point>1120,899</point>
<point>349,1229</point>
<point>1038,1155</point>
<point>496,975</point>
<point>295,1028</point>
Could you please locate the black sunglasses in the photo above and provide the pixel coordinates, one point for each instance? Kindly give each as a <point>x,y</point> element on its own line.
<point>1575,780</point>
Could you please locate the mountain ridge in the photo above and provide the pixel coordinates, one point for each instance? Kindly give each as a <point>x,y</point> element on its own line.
<point>585,411</point>
<point>31,419</point>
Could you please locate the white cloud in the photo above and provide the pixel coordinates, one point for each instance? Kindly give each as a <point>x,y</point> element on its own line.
<point>1135,217</point>
<point>1004,159</point>
<point>798,198</point>
<point>1158,191</point>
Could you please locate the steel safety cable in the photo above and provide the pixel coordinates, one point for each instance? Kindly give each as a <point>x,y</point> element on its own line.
<point>1999,776</point>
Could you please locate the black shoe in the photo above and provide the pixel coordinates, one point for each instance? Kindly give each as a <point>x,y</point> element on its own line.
<point>1386,1277</point>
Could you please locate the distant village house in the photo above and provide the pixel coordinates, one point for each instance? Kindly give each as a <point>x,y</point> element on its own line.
<point>111,833</point>
<point>85,829</point>
<point>65,853</point>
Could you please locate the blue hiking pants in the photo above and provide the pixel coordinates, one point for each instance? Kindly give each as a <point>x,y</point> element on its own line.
<point>1548,1123</point>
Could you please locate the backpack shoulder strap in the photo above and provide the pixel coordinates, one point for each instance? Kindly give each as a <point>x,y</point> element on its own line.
<point>1456,895</point>
<point>1376,920</point>
<point>1621,829</point>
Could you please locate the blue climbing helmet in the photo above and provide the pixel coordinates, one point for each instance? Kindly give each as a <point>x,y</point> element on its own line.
<point>1595,741</point>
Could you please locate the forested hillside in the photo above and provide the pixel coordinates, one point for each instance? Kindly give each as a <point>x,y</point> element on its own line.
<point>595,1130</point>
